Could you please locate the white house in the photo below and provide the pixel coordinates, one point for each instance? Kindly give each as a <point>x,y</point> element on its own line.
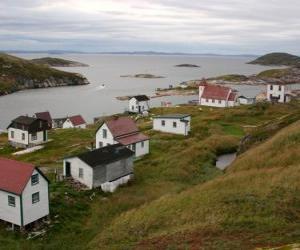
<point>122,130</point>
<point>278,93</point>
<point>27,131</point>
<point>242,100</point>
<point>74,122</point>
<point>24,193</point>
<point>107,167</point>
<point>173,123</point>
<point>139,104</point>
<point>216,96</point>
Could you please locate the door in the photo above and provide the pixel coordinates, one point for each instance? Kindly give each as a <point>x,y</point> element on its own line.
<point>45,135</point>
<point>140,111</point>
<point>68,169</point>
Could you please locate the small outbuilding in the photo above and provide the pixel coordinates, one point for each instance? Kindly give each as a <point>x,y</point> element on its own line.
<point>139,104</point>
<point>25,131</point>
<point>24,193</point>
<point>107,167</point>
<point>76,121</point>
<point>173,123</point>
<point>243,100</point>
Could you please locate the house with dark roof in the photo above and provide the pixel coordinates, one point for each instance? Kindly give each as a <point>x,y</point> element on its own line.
<point>173,123</point>
<point>75,121</point>
<point>24,193</point>
<point>216,96</point>
<point>122,130</point>
<point>107,167</point>
<point>44,116</point>
<point>139,104</point>
<point>27,131</point>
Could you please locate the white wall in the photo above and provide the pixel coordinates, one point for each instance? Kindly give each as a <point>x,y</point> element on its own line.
<point>211,103</point>
<point>40,137</point>
<point>182,127</point>
<point>76,163</point>
<point>18,136</point>
<point>99,137</point>
<point>33,212</point>
<point>134,104</point>
<point>112,186</point>
<point>139,150</point>
<point>8,213</point>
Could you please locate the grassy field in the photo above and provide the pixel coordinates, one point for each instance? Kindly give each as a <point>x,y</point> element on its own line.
<point>178,199</point>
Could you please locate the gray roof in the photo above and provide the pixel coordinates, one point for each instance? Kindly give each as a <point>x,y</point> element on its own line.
<point>173,116</point>
<point>106,155</point>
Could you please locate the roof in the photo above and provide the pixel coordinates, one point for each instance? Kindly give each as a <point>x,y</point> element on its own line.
<point>215,92</point>
<point>29,124</point>
<point>77,120</point>
<point>105,155</point>
<point>44,116</point>
<point>120,126</point>
<point>127,140</point>
<point>141,98</point>
<point>14,175</point>
<point>232,96</point>
<point>173,116</point>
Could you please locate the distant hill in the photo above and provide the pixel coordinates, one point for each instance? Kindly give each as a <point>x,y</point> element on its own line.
<point>18,74</point>
<point>57,62</point>
<point>278,59</point>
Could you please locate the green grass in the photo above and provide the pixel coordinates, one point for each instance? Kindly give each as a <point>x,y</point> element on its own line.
<point>177,194</point>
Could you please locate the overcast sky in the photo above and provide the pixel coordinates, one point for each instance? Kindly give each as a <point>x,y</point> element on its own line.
<point>202,26</point>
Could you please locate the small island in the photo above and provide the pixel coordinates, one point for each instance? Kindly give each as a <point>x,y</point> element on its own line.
<point>146,76</point>
<point>19,74</point>
<point>186,65</point>
<point>57,62</point>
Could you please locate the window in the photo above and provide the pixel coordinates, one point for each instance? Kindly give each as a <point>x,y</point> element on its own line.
<point>41,124</point>
<point>174,124</point>
<point>34,137</point>
<point>104,133</point>
<point>279,87</point>
<point>23,136</point>
<point>271,87</point>
<point>12,134</point>
<point>11,201</point>
<point>163,123</point>
<point>132,107</point>
<point>142,144</point>
<point>100,144</point>
<point>80,173</point>
<point>35,198</point>
<point>133,147</point>
<point>213,100</point>
<point>34,179</point>
<point>220,101</point>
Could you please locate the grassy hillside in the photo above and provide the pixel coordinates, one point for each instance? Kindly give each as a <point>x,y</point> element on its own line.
<point>57,62</point>
<point>278,59</point>
<point>17,74</point>
<point>178,199</point>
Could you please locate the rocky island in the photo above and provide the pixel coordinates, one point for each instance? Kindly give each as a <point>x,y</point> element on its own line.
<point>57,62</point>
<point>277,59</point>
<point>146,76</point>
<point>19,74</point>
<point>186,65</point>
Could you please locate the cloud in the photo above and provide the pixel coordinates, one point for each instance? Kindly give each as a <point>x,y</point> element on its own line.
<point>221,26</point>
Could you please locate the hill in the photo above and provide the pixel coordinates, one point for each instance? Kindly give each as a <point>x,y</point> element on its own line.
<point>277,59</point>
<point>179,199</point>
<point>57,62</point>
<point>18,74</point>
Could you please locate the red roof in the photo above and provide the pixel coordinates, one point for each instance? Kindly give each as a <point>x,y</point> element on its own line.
<point>232,96</point>
<point>44,116</point>
<point>14,175</point>
<point>77,120</point>
<point>215,92</point>
<point>127,140</point>
<point>120,126</point>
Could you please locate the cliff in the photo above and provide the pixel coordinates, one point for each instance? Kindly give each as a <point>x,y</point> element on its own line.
<point>18,74</point>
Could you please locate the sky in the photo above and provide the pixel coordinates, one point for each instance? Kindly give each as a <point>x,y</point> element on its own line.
<point>199,26</point>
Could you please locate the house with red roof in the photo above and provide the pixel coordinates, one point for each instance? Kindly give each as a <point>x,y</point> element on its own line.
<point>122,130</point>
<point>75,121</point>
<point>216,96</point>
<point>24,193</point>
